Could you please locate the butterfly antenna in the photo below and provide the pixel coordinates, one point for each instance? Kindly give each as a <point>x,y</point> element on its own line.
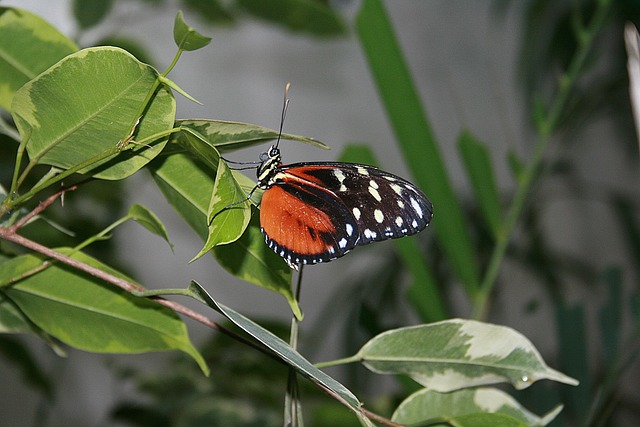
<point>285,105</point>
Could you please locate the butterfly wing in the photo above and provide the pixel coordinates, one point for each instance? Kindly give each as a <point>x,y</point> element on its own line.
<point>316,212</point>
<point>304,223</point>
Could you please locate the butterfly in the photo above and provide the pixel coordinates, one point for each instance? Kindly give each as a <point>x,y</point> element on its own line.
<point>315,212</point>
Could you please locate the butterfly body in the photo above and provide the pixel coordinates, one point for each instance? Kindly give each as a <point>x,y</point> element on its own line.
<point>314,212</point>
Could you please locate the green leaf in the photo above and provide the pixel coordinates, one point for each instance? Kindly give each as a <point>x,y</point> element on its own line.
<point>427,404</point>
<point>28,46</point>
<point>86,104</point>
<point>415,138</point>
<point>150,221</point>
<point>250,259</point>
<point>228,136</point>
<point>188,187</point>
<point>186,37</point>
<point>281,349</point>
<point>228,215</point>
<point>298,15</point>
<point>574,355</point>
<point>91,13</point>
<point>457,353</point>
<point>480,173</point>
<point>89,314</point>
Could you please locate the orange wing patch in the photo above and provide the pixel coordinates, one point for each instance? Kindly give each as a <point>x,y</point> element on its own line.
<point>293,225</point>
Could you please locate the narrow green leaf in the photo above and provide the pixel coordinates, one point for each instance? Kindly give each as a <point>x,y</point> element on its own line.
<point>91,13</point>
<point>427,404</point>
<point>173,85</point>
<point>415,137</point>
<point>423,291</point>
<point>280,348</point>
<point>454,354</point>
<point>228,136</point>
<point>150,221</point>
<point>516,165</point>
<point>186,37</point>
<point>250,259</point>
<point>28,46</point>
<point>86,104</point>
<point>610,315</point>
<point>574,355</point>
<point>91,315</point>
<point>228,215</point>
<point>480,173</point>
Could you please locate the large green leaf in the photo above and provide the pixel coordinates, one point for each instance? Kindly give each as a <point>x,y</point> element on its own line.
<point>89,314</point>
<point>28,46</point>
<point>83,106</point>
<point>427,404</point>
<point>415,137</point>
<point>457,353</point>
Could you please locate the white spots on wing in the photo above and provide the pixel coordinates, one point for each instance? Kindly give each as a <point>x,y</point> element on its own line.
<point>349,229</point>
<point>416,207</point>
<point>375,194</point>
<point>369,234</point>
<point>331,250</point>
<point>389,178</point>
<point>414,224</point>
<point>356,213</point>
<point>373,184</point>
<point>342,243</point>
<point>362,171</point>
<point>400,204</point>
<point>396,188</point>
<point>399,221</point>
<point>378,215</point>
<point>340,176</point>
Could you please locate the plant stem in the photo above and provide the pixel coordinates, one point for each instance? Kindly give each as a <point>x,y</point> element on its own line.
<point>293,409</point>
<point>546,126</point>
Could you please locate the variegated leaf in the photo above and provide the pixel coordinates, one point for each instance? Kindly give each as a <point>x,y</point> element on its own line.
<point>458,353</point>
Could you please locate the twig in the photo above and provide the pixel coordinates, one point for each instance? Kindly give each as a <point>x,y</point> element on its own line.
<point>41,207</point>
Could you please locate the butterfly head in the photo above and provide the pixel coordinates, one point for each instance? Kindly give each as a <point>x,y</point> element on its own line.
<point>270,161</point>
